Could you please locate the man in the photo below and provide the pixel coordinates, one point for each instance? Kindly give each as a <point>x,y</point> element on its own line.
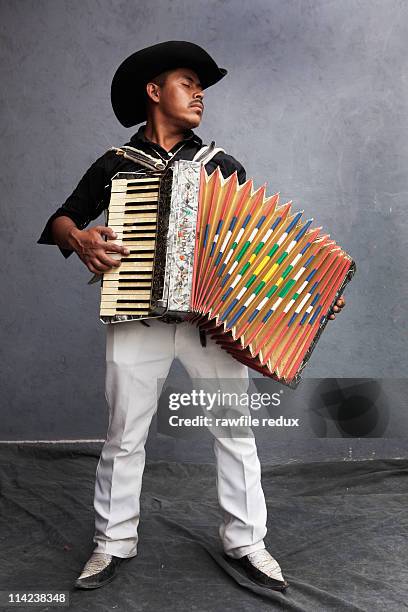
<point>164,85</point>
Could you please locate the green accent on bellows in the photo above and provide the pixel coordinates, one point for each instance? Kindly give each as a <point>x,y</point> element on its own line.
<point>242,251</point>
<point>250,281</point>
<point>273,249</point>
<point>282,257</point>
<point>286,288</point>
<point>259,287</point>
<point>286,272</point>
<point>271,291</point>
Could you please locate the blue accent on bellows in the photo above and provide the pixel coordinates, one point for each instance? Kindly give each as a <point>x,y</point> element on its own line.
<point>253,315</point>
<point>261,220</point>
<point>224,280</point>
<point>233,223</point>
<point>312,320</point>
<point>311,275</point>
<point>293,223</point>
<point>316,297</point>
<point>266,317</point>
<point>230,307</point>
<point>236,316</point>
<point>224,297</point>
<point>221,270</point>
<point>293,317</point>
<point>206,234</point>
<point>303,230</point>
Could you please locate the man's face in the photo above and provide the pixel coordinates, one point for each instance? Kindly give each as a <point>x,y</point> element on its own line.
<point>180,99</point>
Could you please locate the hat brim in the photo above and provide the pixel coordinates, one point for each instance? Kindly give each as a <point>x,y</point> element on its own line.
<point>129,81</point>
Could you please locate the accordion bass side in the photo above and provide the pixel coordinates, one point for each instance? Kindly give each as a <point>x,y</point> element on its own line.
<point>229,259</point>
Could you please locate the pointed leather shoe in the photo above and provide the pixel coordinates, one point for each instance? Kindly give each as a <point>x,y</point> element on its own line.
<point>100,569</point>
<point>262,568</point>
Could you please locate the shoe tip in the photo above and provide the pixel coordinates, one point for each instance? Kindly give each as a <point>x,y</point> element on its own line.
<point>78,584</point>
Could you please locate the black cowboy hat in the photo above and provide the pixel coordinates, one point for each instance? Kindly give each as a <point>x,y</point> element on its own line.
<point>128,84</point>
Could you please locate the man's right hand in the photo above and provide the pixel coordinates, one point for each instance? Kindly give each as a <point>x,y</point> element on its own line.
<point>92,249</point>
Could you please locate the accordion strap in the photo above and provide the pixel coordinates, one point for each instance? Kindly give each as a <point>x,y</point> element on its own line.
<point>204,155</point>
<point>140,157</point>
<point>207,152</point>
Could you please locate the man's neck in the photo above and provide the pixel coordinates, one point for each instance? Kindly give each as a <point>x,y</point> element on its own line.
<point>163,134</point>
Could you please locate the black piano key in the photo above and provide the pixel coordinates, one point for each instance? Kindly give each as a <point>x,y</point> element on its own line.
<point>133,272</point>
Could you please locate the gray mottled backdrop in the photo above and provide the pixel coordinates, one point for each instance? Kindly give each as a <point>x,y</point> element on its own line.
<point>315,103</point>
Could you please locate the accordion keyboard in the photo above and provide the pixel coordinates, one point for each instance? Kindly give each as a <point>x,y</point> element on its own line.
<point>132,215</point>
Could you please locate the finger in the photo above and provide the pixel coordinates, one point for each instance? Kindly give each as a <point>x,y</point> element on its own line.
<point>115,248</point>
<point>108,261</point>
<point>92,269</point>
<point>100,267</point>
<point>106,231</point>
<point>336,308</point>
<point>332,316</point>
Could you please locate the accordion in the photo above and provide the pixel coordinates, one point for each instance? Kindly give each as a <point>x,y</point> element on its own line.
<point>228,258</point>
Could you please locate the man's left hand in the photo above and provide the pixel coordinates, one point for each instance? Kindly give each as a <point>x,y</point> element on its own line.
<point>341,302</point>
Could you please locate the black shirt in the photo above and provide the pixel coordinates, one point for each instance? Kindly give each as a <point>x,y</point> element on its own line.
<point>92,194</point>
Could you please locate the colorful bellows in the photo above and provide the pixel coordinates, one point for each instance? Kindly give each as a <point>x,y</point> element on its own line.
<point>260,280</point>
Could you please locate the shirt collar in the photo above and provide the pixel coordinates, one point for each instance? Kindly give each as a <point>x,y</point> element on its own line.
<point>140,137</point>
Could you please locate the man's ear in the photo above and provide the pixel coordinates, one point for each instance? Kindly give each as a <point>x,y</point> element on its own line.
<point>153,92</point>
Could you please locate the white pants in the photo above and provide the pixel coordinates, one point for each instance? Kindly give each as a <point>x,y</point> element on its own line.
<point>136,356</point>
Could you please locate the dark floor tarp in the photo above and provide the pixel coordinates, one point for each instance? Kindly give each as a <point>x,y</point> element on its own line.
<point>339,531</point>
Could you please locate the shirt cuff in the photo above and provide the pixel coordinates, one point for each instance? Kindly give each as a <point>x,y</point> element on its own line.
<point>46,235</point>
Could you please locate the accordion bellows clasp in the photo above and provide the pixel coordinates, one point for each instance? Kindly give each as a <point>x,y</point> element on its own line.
<point>250,271</point>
